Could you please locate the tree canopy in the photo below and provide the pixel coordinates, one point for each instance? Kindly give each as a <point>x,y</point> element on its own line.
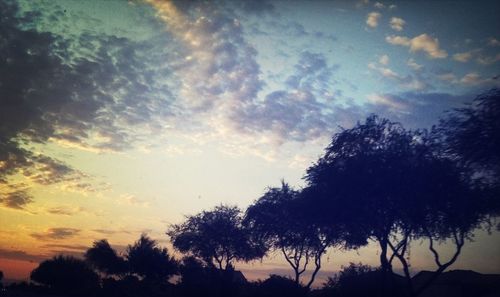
<point>66,274</point>
<point>472,134</point>
<point>105,259</point>
<point>217,237</point>
<point>150,261</point>
<point>387,183</point>
<point>279,222</point>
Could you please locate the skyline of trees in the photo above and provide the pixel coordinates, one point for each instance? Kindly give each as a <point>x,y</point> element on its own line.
<point>376,182</point>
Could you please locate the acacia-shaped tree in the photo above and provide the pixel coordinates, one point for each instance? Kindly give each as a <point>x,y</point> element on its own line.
<point>277,219</point>
<point>217,237</point>
<point>387,184</point>
<point>472,135</point>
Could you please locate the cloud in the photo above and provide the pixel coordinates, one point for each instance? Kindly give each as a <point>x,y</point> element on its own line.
<point>478,53</point>
<point>414,65</point>
<point>65,210</point>
<point>469,79</point>
<point>488,60</point>
<point>89,91</point>
<point>397,23</point>
<point>413,82</point>
<point>56,234</point>
<point>106,232</point>
<point>387,72</point>
<point>462,57</point>
<point>133,200</point>
<point>303,111</point>
<point>472,78</point>
<point>415,109</point>
<point>449,77</point>
<point>67,247</point>
<point>219,64</point>
<point>384,60</point>
<point>493,42</point>
<point>398,40</point>
<point>20,255</point>
<point>362,3</point>
<point>379,5</point>
<point>423,42</point>
<point>16,199</point>
<point>372,19</point>
<point>385,100</point>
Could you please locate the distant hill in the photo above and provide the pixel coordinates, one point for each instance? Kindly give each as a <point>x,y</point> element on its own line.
<point>460,283</point>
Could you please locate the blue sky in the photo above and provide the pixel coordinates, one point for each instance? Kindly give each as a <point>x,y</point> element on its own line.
<point>136,113</point>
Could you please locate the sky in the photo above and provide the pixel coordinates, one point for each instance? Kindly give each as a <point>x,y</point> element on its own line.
<point>121,117</point>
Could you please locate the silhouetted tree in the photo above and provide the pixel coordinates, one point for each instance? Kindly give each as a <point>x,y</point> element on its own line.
<point>387,183</point>
<point>66,275</point>
<point>149,261</point>
<point>472,135</point>
<point>105,259</point>
<point>358,280</point>
<point>278,220</point>
<point>193,274</point>
<point>1,278</point>
<point>216,236</point>
<point>200,279</point>
<point>277,285</point>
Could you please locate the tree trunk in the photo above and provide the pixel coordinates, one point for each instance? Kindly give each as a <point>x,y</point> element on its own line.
<point>386,269</point>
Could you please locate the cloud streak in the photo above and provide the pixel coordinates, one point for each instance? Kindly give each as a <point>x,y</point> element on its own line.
<point>420,43</point>
<point>56,234</point>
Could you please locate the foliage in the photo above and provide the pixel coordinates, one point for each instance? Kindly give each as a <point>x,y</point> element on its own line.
<point>66,275</point>
<point>358,280</point>
<point>387,184</point>
<point>105,259</point>
<point>199,279</point>
<point>218,237</point>
<point>149,261</point>
<point>277,285</point>
<point>278,221</point>
<point>472,134</point>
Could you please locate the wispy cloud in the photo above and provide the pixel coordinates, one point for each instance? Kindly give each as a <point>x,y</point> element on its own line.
<point>414,65</point>
<point>384,59</point>
<point>65,210</point>
<point>385,100</point>
<point>469,79</point>
<point>423,42</point>
<point>462,57</point>
<point>488,60</point>
<point>415,109</point>
<point>20,255</point>
<point>409,81</point>
<point>493,42</point>
<point>55,234</point>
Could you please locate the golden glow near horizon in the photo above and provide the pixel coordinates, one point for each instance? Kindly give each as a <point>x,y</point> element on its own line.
<point>201,104</point>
